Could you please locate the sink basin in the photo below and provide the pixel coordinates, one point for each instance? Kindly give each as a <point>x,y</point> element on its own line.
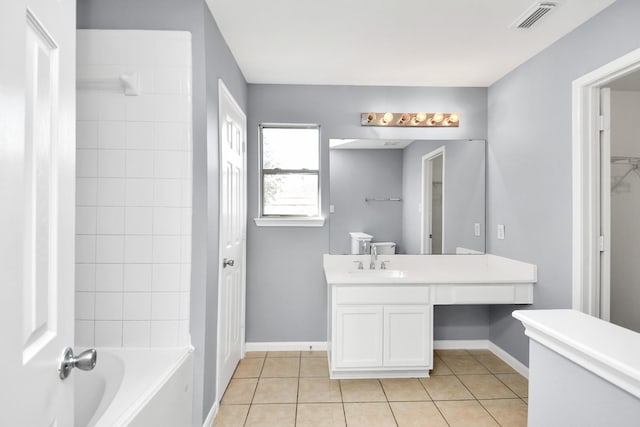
<point>390,274</point>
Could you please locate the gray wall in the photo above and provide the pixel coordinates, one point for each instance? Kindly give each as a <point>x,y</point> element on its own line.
<point>292,306</point>
<point>464,194</point>
<point>354,175</point>
<point>529,159</point>
<point>211,59</point>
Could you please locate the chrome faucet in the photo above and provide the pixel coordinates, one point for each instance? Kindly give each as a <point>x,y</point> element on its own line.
<point>374,257</point>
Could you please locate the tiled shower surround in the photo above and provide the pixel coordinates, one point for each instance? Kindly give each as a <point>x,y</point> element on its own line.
<point>133,191</point>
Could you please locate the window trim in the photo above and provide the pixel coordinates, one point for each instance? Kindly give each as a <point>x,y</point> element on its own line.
<point>315,220</point>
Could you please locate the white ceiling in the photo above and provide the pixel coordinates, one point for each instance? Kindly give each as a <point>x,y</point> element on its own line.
<point>388,43</point>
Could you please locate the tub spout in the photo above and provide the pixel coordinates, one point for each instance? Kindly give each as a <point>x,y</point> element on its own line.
<point>85,361</point>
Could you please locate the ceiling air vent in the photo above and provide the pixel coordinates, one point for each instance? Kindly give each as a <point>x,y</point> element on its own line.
<point>533,14</point>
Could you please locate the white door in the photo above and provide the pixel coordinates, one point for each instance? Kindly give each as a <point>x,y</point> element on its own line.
<point>407,335</point>
<point>358,340</point>
<point>233,220</point>
<point>37,194</point>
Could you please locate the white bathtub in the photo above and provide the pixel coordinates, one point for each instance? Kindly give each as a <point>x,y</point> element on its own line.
<point>136,387</point>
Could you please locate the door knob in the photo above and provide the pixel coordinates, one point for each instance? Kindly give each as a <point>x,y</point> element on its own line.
<point>227,263</point>
<point>86,361</point>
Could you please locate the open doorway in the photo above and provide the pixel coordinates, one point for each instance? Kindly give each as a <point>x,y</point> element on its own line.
<point>433,181</point>
<point>606,192</point>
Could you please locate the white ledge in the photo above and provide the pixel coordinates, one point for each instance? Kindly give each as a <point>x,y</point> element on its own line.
<point>283,221</point>
<point>607,350</point>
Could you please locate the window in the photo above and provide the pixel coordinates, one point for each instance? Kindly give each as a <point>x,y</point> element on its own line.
<point>290,170</point>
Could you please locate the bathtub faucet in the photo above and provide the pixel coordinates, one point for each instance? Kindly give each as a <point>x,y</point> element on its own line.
<point>85,361</point>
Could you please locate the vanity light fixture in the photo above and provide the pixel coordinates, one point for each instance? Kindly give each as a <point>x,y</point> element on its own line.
<point>410,119</point>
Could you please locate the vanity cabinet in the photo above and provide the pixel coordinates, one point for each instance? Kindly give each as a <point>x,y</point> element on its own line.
<point>380,331</point>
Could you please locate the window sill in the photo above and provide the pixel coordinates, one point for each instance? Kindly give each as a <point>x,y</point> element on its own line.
<point>312,221</point>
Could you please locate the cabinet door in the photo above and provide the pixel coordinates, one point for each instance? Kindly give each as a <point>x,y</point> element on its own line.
<point>358,340</point>
<point>408,335</point>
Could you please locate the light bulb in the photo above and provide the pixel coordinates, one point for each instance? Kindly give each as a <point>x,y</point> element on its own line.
<point>404,118</point>
<point>437,117</point>
<point>421,117</point>
<point>453,118</point>
<point>371,117</point>
<point>387,118</point>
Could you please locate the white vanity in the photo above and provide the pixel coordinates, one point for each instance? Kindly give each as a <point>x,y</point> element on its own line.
<point>380,321</point>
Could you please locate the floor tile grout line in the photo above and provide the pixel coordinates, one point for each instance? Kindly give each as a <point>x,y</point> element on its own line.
<point>434,402</point>
<point>489,412</point>
<point>388,403</point>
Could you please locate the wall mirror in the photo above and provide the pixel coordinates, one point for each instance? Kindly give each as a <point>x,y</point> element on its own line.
<point>425,196</point>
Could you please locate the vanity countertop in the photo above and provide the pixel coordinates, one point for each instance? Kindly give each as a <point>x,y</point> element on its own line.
<point>428,269</point>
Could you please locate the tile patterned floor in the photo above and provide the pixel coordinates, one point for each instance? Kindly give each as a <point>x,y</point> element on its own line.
<point>467,388</point>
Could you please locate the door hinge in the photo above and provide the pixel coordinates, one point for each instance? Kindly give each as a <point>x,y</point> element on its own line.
<point>601,243</point>
<point>604,122</point>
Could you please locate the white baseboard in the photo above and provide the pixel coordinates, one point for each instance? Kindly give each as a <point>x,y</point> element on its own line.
<point>520,367</point>
<point>287,346</point>
<point>208,422</point>
<point>437,345</point>
<point>460,344</point>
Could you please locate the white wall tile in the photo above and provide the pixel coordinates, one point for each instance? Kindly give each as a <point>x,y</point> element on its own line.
<point>174,52</point>
<point>166,221</point>
<point>185,305</point>
<point>111,163</point>
<point>87,134</point>
<point>140,135</point>
<point>167,192</point>
<point>112,106</point>
<point>139,192</point>
<point>164,333</point>
<point>185,277</point>
<point>185,249</point>
<point>185,192</point>
<point>85,249</point>
<point>84,330</point>
<point>87,163</point>
<point>87,105</point>
<point>136,333</point>
<point>109,249</point>
<point>112,135</point>
<point>85,277</point>
<point>111,192</point>
<point>140,164</point>
<point>138,220</point>
<point>171,136</point>
<point>109,277</point>
<point>86,191</point>
<point>184,338</point>
<point>171,80</point>
<point>85,220</point>
<point>140,48</point>
<point>140,108</point>
<point>137,277</point>
<point>171,108</point>
<point>138,249</point>
<point>137,306</point>
<point>110,220</point>
<point>108,306</point>
<point>85,305</point>
<point>185,221</point>
<point>165,306</point>
<point>166,278</point>
<point>166,249</point>
<point>108,333</point>
<point>102,47</point>
<point>169,164</point>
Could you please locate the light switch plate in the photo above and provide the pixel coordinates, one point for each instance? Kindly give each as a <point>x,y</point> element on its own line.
<point>476,229</point>
<point>500,231</point>
<point>332,208</point>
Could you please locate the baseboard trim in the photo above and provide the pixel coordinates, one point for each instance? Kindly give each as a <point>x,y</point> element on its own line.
<point>460,344</point>
<point>437,345</point>
<point>520,367</point>
<point>287,346</point>
<point>208,422</point>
